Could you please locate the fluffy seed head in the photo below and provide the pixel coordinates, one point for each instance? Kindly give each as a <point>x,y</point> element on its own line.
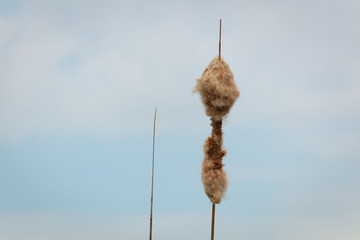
<point>212,175</point>
<point>217,89</point>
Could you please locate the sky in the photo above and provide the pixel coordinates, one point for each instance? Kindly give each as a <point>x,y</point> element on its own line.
<point>79,82</point>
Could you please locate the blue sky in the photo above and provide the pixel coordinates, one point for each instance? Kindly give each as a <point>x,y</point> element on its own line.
<point>79,81</point>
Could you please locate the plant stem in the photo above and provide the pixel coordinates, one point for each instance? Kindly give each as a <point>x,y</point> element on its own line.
<point>220,41</point>
<point>213,221</point>
<point>152,178</point>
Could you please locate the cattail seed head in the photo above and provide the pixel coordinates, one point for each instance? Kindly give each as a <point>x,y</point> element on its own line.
<point>212,175</point>
<point>218,93</point>
<point>217,88</point>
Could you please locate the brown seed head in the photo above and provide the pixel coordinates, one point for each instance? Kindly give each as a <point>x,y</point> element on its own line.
<point>217,89</point>
<point>212,175</point>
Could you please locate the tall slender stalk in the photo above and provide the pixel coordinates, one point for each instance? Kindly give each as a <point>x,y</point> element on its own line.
<point>213,204</point>
<point>213,221</point>
<point>218,92</point>
<point>220,41</point>
<point>152,178</point>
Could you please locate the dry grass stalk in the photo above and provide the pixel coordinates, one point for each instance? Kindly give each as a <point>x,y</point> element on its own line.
<point>152,179</point>
<point>218,92</point>
<point>213,221</point>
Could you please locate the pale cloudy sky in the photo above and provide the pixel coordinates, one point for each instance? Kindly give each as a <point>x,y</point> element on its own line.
<point>79,81</point>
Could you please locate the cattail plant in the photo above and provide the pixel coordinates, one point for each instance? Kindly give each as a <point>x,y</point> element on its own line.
<point>218,93</point>
<point>152,179</point>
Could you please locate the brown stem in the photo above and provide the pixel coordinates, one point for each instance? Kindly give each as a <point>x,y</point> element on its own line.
<point>152,178</point>
<point>213,221</point>
<point>220,41</point>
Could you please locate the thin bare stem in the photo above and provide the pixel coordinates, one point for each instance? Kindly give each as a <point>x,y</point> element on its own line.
<point>213,205</point>
<point>213,221</point>
<point>220,40</point>
<point>152,178</point>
